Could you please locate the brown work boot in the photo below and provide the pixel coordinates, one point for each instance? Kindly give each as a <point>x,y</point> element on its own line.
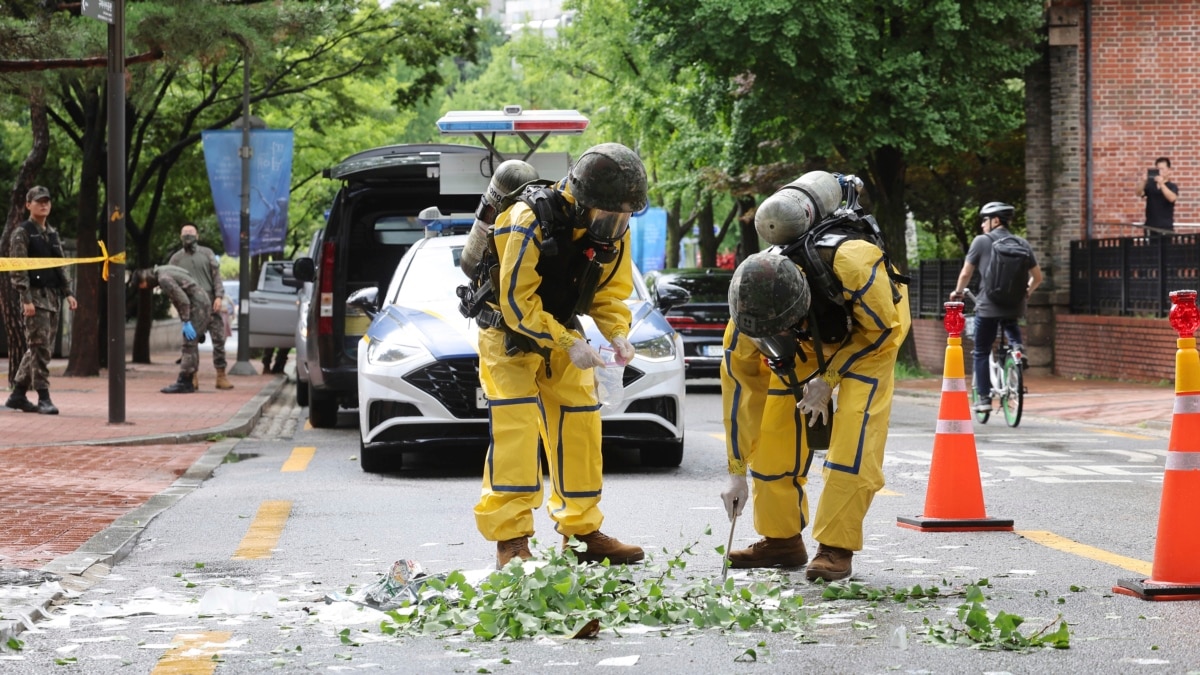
<point>831,563</point>
<point>512,548</point>
<point>770,552</point>
<point>222,381</point>
<point>601,546</point>
<point>196,380</point>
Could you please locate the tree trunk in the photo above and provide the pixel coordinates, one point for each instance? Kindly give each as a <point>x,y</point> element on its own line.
<point>87,340</point>
<point>886,189</point>
<point>674,234</point>
<point>748,244</point>
<point>145,304</point>
<point>708,240</point>
<point>14,322</point>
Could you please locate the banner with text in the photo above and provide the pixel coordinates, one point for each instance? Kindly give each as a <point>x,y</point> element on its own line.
<point>270,186</point>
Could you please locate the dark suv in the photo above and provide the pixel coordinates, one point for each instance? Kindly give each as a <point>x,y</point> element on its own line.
<point>702,320</point>
<point>372,223</point>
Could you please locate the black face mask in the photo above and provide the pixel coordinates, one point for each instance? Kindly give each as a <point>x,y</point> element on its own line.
<point>780,347</point>
<point>189,241</point>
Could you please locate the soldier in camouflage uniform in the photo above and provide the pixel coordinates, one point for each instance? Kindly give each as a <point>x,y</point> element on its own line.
<point>192,305</point>
<point>41,292</point>
<point>202,264</point>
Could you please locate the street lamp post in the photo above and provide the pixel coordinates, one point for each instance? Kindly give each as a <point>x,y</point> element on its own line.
<point>242,366</point>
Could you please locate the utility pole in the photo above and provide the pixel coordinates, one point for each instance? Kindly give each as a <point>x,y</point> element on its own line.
<point>242,366</point>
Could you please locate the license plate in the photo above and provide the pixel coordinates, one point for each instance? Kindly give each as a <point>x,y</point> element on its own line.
<point>480,398</point>
<point>710,350</point>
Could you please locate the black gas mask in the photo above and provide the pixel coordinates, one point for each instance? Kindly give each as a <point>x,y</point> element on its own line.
<point>189,242</point>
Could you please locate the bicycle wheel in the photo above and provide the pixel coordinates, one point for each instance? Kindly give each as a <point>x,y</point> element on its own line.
<point>972,396</point>
<point>1013,400</point>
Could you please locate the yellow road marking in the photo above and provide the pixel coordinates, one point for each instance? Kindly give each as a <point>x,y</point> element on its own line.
<point>719,437</point>
<point>884,492</point>
<point>299,459</point>
<point>1123,434</point>
<point>1065,545</point>
<point>264,532</point>
<point>192,654</point>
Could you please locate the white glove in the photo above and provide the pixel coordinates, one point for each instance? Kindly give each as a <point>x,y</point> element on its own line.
<point>738,491</point>
<point>815,402</point>
<point>583,356</point>
<point>624,349</point>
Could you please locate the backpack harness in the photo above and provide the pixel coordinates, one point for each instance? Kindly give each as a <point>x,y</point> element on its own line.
<point>570,268</point>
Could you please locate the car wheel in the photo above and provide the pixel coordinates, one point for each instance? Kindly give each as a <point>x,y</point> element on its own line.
<point>376,460</point>
<point>665,454</point>
<point>301,393</point>
<point>322,409</point>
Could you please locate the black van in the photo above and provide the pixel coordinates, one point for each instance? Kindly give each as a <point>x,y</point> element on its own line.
<point>372,223</point>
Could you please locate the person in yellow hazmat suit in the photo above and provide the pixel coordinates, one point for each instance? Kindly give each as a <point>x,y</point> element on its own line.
<point>810,315</point>
<point>558,252</point>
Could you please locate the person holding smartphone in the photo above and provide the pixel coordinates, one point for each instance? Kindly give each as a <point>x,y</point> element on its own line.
<point>1160,195</point>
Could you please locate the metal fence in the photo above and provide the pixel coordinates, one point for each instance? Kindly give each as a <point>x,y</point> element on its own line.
<point>1119,276</point>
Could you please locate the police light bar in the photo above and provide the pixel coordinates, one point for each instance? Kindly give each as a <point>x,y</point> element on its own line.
<point>512,120</point>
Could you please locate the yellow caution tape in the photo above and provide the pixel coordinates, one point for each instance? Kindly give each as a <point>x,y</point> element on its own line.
<point>22,264</point>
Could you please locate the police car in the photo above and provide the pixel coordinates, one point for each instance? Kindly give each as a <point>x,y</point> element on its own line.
<point>418,369</point>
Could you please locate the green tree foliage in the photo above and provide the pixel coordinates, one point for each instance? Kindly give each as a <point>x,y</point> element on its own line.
<point>871,87</point>
<point>193,81</point>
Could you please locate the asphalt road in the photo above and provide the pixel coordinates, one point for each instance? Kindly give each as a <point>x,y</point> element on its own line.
<point>233,577</point>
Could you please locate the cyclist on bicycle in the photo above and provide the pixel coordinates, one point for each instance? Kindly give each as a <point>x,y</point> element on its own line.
<point>989,316</point>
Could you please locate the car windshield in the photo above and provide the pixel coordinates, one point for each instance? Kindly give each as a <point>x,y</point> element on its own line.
<point>433,275</point>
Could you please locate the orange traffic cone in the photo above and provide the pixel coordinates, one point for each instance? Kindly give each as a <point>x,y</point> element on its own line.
<point>1176,571</point>
<point>954,498</point>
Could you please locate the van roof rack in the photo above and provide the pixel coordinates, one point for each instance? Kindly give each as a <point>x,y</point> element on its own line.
<point>512,121</point>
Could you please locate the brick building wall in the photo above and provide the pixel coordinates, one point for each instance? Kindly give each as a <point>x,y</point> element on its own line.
<point>1144,91</point>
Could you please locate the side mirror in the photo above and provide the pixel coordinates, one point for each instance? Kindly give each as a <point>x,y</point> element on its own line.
<point>364,299</point>
<point>670,296</point>
<point>303,270</point>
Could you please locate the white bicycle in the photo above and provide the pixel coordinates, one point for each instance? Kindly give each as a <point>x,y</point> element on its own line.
<point>1006,370</point>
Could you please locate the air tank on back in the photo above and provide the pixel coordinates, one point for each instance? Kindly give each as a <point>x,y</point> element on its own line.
<point>509,176</point>
<point>786,215</point>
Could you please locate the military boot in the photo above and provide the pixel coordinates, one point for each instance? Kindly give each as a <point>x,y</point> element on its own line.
<point>45,406</point>
<point>601,546</point>
<point>181,386</point>
<point>512,548</point>
<point>222,381</point>
<point>771,552</point>
<point>196,380</point>
<point>831,563</point>
<point>18,401</point>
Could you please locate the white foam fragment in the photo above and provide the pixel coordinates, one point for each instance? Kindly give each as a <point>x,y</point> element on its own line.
<point>620,661</point>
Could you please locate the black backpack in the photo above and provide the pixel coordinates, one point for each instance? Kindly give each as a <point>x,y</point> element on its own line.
<point>1006,279</point>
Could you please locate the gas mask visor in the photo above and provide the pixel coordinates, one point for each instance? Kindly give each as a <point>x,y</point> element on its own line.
<point>778,347</point>
<point>606,226</point>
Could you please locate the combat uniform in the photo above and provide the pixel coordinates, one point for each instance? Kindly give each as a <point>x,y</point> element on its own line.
<point>45,289</point>
<point>202,264</point>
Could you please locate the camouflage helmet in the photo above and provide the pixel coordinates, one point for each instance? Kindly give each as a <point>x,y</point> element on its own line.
<point>609,177</point>
<point>767,295</point>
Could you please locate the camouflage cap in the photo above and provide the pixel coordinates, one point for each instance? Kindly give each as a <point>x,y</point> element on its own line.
<point>37,192</point>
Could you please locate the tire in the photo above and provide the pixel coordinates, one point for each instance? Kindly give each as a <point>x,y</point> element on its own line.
<point>322,409</point>
<point>1013,403</point>
<point>301,393</point>
<point>972,396</point>
<point>666,454</point>
<point>377,460</point>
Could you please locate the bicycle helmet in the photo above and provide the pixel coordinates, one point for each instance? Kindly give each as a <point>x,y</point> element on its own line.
<point>767,295</point>
<point>1004,212</point>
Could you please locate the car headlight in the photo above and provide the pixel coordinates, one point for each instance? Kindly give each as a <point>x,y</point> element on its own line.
<point>661,348</point>
<point>390,351</point>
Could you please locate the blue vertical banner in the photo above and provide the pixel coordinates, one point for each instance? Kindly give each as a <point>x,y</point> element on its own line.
<point>270,186</point>
<point>648,234</point>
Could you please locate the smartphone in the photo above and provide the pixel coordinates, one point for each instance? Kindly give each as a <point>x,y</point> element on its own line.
<point>1151,173</point>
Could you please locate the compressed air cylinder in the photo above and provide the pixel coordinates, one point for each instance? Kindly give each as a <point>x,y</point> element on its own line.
<point>509,176</point>
<point>786,215</point>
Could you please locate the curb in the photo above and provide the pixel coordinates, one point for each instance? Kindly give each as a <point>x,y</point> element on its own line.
<point>92,561</point>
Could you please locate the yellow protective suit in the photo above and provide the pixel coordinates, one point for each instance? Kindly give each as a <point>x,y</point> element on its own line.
<point>764,432</point>
<point>530,398</point>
